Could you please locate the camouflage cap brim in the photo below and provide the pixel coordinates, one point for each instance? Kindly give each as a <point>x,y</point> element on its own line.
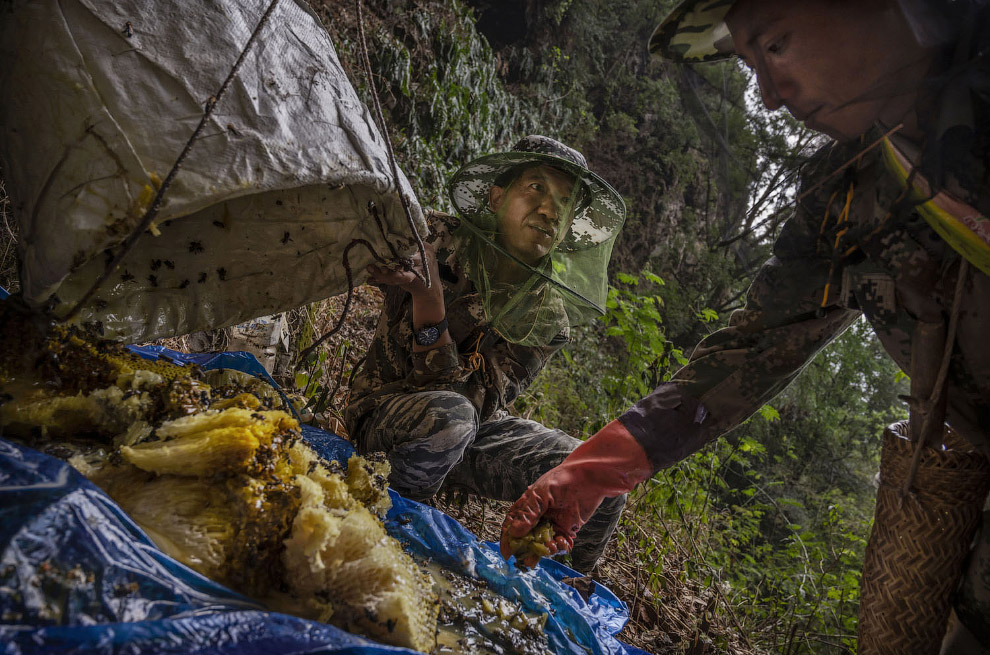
<point>598,219</point>
<point>694,32</point>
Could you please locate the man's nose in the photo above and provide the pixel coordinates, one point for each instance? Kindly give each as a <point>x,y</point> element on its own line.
<point>548,207</point>
<point>769,92</point>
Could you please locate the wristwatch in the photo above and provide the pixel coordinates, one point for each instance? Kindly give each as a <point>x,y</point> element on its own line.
<point>429,334</point>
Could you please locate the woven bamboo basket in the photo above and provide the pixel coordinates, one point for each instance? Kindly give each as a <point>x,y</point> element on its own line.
<point>919,543</point>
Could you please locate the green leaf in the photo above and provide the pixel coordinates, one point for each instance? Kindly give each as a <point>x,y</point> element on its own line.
<point>769,414</point>
<point>707,315</point>
<point>625,278</point>
<point>655,279</point>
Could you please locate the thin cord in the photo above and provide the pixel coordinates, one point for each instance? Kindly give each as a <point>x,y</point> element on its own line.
<point>350,295</point>
<point>425,277</point>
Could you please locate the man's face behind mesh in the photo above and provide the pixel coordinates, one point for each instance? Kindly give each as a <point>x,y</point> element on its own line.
<point>533,211</point>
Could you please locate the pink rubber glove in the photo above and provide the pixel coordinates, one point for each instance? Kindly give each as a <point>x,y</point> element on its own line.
<point>608,464</point>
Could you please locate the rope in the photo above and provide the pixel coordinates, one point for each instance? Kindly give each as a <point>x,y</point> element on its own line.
<point>821,229</point>
<point>476,360</point>
<point>844,217</point>
<point>842,220</point>
<point>405,263</point>
<point>943,371</point>
<point>350,295</point>
<point>152,211</point>
<point>425,277</point>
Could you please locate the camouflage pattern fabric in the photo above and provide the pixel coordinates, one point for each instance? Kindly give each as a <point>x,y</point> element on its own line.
<point>889,265</point>
<point>694,32</point>
<point>433,438</point>
<point>440,415</point>
<point>392,366</point>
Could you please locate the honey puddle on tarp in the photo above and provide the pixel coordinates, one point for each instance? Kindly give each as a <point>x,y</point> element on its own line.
<point>477,621</point>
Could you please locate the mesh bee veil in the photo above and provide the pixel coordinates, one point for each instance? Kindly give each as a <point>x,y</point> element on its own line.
<point>558,277</point>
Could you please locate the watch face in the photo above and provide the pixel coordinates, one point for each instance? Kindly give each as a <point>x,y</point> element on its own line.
<point>428,336</point>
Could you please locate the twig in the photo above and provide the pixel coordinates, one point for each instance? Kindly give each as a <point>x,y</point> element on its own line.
<point>152,211</point>
<point>320,405</point>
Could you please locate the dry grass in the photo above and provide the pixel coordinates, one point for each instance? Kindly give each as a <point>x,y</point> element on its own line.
<point>341,353</point>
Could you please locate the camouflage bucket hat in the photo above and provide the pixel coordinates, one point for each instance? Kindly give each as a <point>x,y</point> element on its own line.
<point>598,216</point>
<point>694,32</point>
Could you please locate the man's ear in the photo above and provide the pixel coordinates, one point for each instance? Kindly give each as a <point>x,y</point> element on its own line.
<point>495,196</point>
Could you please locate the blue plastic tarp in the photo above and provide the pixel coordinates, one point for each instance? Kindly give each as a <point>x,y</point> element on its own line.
<point>78,576</point>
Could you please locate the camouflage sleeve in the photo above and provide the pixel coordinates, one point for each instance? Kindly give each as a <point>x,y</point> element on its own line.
<point>734,371</point>
<point>390,365</point>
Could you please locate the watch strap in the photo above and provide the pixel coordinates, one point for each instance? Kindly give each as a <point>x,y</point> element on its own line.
<point>430,334</point>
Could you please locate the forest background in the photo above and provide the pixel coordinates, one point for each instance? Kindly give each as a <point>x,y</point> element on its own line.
<point>755,544</point>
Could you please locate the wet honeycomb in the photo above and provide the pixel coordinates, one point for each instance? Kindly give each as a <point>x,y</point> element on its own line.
<point>216,473</point>
<point>219,478</point>
<point>533,543</point>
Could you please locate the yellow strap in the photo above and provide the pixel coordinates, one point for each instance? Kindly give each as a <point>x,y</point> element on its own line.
<point>842,220</point>
<point>959,224</point>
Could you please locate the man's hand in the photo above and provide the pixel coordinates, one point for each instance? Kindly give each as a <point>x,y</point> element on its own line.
<point>399,274</point>
<point>427,304</point>
<point>608,464</point>
<point>545,500</point>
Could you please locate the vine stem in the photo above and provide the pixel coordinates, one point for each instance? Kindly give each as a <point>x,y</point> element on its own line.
<point>350,295</point>
<point>425,277</point>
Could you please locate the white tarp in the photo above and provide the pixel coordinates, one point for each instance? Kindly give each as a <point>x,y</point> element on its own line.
<point>98,98</point>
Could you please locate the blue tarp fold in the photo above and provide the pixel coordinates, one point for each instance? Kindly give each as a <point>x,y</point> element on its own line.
<point>78,576</point>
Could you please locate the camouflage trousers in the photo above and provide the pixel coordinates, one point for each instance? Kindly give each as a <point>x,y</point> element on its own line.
<point>434,438</point>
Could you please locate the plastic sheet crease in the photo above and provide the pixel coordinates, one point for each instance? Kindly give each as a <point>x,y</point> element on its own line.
<point>78,576</point>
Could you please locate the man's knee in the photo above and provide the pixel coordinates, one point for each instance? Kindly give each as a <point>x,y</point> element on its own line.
<point>424,435</point>
<point>445,418</point>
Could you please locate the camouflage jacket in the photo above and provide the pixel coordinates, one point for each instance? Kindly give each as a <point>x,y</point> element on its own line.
<point>889,266</point>
<point>491,382</point>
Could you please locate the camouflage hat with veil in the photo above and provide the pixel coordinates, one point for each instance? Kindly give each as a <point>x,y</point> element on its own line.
<point>568,285</point>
